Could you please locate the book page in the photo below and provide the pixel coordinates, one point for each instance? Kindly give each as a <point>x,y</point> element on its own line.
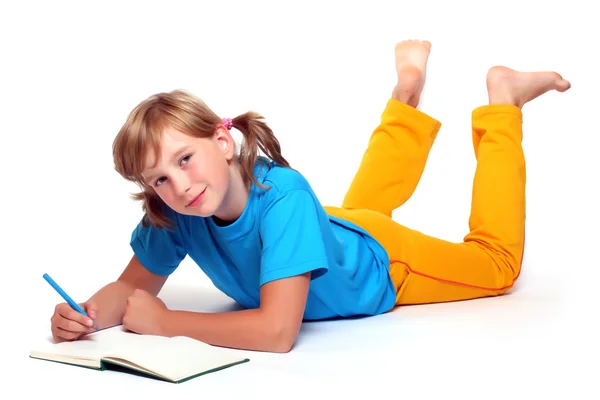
<point>172,358</point>
<point>175,358</point>
<point>90,347</point>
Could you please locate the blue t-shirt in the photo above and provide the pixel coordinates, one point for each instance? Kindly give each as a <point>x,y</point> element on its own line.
<point>283,232</point>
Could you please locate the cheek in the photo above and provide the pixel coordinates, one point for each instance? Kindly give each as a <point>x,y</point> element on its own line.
<point>213,170</point>
<point>197,172</point>
<point>221,175</point>
<point>166,194</point>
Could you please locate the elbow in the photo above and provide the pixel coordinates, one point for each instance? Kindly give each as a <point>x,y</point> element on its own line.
<point>282,338</point>
<point>282,343</point>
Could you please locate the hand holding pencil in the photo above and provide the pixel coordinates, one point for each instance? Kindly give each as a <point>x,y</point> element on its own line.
<point>70,320</point>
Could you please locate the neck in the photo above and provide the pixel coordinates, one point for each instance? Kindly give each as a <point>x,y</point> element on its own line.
<point>236,197</point>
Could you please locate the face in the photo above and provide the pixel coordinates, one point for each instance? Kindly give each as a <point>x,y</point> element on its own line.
<point>192,174</point>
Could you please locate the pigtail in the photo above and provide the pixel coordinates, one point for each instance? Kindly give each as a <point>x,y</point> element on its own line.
<point>154,209</point>
<point>257,135</point>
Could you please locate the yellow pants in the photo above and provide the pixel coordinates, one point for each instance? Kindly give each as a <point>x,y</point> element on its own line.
<point>426,269</point>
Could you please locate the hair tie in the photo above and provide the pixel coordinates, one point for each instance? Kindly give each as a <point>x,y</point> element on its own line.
<point>228,122</point>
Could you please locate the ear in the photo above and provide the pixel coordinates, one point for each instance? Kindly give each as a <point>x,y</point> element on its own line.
<point>225,142</point>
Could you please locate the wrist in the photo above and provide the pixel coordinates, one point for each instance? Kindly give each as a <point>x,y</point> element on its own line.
<point>165,323</point>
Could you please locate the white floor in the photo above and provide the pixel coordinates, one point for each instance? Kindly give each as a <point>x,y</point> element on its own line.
<point>529,344</point>
<point>321,73</point>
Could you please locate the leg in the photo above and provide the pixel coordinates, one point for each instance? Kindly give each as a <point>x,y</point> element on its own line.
<point>487,263</point>
<point>394,161</point>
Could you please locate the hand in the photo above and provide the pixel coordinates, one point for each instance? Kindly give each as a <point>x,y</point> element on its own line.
<point>144,313</point>
<point>68,324</point>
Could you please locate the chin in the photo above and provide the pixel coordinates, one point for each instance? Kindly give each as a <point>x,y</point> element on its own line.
<point>197,212</point>
<point>200,210</point>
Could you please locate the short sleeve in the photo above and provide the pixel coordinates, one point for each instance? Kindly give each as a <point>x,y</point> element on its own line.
<point>292,239</point>
<point>160,250</point>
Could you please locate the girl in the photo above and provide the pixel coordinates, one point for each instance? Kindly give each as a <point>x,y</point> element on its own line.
<point>256,228</point>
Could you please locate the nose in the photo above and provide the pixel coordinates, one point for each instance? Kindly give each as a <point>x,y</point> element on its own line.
<point>181,184</point>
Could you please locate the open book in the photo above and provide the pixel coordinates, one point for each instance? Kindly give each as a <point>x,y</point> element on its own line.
<point>174,359</point>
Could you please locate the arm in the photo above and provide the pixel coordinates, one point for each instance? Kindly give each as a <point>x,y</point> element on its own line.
<point>110,301</point>
<point>272,327</point>
<point>293,252</point>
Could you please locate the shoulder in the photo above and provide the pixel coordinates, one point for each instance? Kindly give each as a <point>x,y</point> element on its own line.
<point>286,190</point>
<point>281,179</point>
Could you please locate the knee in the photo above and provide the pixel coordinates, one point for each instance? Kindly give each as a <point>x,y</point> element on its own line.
<point>509,267</point>
<point>506,262</point>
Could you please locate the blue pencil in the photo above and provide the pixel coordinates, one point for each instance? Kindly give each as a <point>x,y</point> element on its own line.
<point>65,296</point>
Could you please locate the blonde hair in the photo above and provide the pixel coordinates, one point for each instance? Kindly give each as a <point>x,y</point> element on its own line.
<point>178,109</point>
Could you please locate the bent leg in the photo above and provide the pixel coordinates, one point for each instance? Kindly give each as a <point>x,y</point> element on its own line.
<point>426,269</point>
<point>395,158</point>
<point>394,161</point>
<point>488,262</point>
<point>497,219</point>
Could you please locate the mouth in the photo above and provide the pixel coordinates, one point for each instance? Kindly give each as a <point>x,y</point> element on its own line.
<point>196,200</point>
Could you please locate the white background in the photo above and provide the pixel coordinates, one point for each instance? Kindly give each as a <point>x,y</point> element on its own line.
<point>321,73</point>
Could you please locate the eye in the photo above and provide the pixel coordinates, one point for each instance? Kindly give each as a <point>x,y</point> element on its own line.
<point>185,159</point>
<point>159,181</point>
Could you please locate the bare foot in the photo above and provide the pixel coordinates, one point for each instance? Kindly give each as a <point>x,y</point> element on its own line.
<point>411,65</point>
<point>507,86</point>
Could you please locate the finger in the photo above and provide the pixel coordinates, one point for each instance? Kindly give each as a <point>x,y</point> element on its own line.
<point>71,326</point>
<point>56,338</point>
<point>64,335</point>
<point>68,313</point>
<point>91,309</point>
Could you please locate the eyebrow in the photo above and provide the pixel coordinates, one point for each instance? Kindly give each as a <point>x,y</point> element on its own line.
<point>177,154</point>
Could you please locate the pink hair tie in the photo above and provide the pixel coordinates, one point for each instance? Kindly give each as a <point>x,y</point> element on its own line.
<point>228,122</point>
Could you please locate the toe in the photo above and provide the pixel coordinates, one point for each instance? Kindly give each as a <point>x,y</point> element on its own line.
<point>563,85</point>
